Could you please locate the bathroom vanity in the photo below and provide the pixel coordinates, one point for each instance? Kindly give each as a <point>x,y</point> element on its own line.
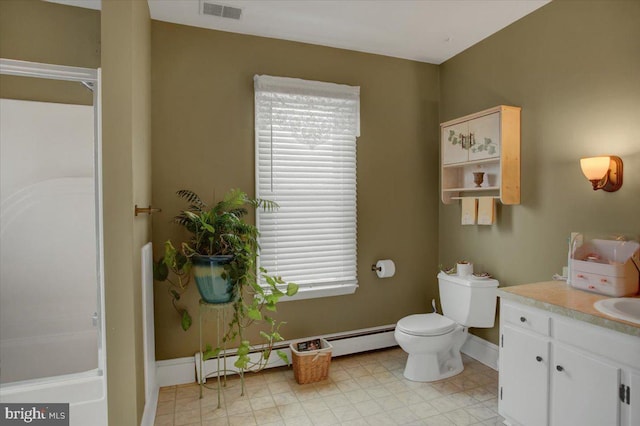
<point>563,363</point>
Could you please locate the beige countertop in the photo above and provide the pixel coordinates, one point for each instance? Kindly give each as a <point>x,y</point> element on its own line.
<point>560,298</point>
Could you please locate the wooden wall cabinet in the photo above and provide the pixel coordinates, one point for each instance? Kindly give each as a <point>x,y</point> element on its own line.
<point>488,142</point>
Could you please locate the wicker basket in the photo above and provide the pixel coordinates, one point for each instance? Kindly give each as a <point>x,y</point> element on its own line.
<point>311,366</point>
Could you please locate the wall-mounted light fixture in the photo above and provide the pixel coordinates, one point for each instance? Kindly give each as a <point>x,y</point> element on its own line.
<point>604,172</point>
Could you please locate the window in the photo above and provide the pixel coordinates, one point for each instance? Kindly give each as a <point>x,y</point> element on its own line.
<point>306,162</point>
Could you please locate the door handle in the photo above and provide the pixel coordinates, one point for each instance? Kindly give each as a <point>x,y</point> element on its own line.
<point>463,140</point>
<point>539,358</point>
<point>559,368</point>
<point>472,140</point>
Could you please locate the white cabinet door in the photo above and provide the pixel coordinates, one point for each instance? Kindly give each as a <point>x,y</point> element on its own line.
<point>484,137</point>
<point>454,143</point>
<point>584,390</point>
<point>631,405</point>
<point>524,377</point>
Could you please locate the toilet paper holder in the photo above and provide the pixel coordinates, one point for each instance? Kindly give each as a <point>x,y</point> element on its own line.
<point>384,268</point>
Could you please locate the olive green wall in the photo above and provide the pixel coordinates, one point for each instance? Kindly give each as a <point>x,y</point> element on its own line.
<point>126,141</point>
<point>37,31</point>
<point>574,69</point>
<point>203,139</point>
<point>33,30</point>
<point>571,66</point>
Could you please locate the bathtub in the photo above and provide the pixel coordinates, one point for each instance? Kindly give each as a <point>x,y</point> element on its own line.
<point>50,342</point>
<point>43,357</point>
<point>85,393</point>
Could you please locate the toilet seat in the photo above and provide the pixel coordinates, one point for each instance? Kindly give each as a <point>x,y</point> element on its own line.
<point>425,325</point>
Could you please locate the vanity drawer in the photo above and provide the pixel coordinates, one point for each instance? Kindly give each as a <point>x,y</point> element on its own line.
<point>616,346</point>
<point>527,319</point>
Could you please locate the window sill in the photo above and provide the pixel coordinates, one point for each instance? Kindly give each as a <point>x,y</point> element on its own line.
<point>321,291</point>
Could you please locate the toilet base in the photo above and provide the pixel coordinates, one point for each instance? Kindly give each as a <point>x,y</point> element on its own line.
<point>431,367</point>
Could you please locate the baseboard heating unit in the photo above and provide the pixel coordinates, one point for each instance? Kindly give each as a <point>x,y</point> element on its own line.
<point>346,343</point>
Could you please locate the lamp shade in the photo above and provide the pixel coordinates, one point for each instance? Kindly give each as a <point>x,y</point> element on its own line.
<point>595,168</point>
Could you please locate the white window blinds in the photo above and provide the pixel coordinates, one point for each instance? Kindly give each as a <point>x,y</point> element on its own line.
<point>306,162</point>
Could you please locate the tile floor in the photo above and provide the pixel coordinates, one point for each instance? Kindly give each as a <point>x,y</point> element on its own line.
<point>363,389</point>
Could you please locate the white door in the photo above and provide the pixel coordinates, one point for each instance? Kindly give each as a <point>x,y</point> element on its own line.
<point>454,141</point>
<point>524,378</point>
<point>584,390</point>
<point>484,137</point>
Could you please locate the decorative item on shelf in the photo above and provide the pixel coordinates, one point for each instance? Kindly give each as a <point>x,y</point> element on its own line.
<point>478,178</point>
<point>604,172</point>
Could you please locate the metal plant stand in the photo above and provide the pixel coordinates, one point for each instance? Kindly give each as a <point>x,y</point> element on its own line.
<point>220,310</point>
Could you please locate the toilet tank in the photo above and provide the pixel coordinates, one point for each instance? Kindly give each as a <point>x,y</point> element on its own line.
<point>469,301</point>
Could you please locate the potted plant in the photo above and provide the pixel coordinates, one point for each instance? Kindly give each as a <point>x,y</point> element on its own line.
<point>221,243</point>
<point>221,253</point>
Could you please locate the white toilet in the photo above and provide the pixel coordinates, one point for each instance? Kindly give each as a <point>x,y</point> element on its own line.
<point>433,341</point>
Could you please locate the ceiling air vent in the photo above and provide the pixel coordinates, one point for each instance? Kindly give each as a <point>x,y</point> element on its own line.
<point>220,10</point>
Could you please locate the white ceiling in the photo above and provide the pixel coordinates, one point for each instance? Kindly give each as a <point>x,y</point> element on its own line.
<point>422,30</point>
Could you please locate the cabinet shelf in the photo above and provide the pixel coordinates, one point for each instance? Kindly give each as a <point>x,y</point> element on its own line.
<point>487,142</point>
<point>484,188</point>
<point>495,197</point>
<point>471,163</point>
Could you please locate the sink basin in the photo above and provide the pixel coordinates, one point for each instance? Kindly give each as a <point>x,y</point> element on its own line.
<point>624,308</point>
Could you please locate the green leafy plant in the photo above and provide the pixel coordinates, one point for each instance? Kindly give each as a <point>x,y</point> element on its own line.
<point>221,230</point>
<point>253,307</point>
<point>175,268</point>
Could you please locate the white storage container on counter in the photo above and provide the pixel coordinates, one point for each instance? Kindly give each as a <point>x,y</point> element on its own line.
<point>609,267</point>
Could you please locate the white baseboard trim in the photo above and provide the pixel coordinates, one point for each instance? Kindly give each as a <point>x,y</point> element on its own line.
<point>150,406</point>
<point>176,371</point>
<point>481,350</point>
<point>185,370</point>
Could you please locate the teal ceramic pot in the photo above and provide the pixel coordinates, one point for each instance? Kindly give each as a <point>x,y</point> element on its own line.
<point>208,271</point>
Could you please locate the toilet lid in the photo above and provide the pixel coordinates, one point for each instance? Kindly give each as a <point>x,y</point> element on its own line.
<point>425,325</point>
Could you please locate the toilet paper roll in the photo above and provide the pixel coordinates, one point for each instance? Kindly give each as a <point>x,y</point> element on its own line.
<point>385,268</point>
<point>464,269</point>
